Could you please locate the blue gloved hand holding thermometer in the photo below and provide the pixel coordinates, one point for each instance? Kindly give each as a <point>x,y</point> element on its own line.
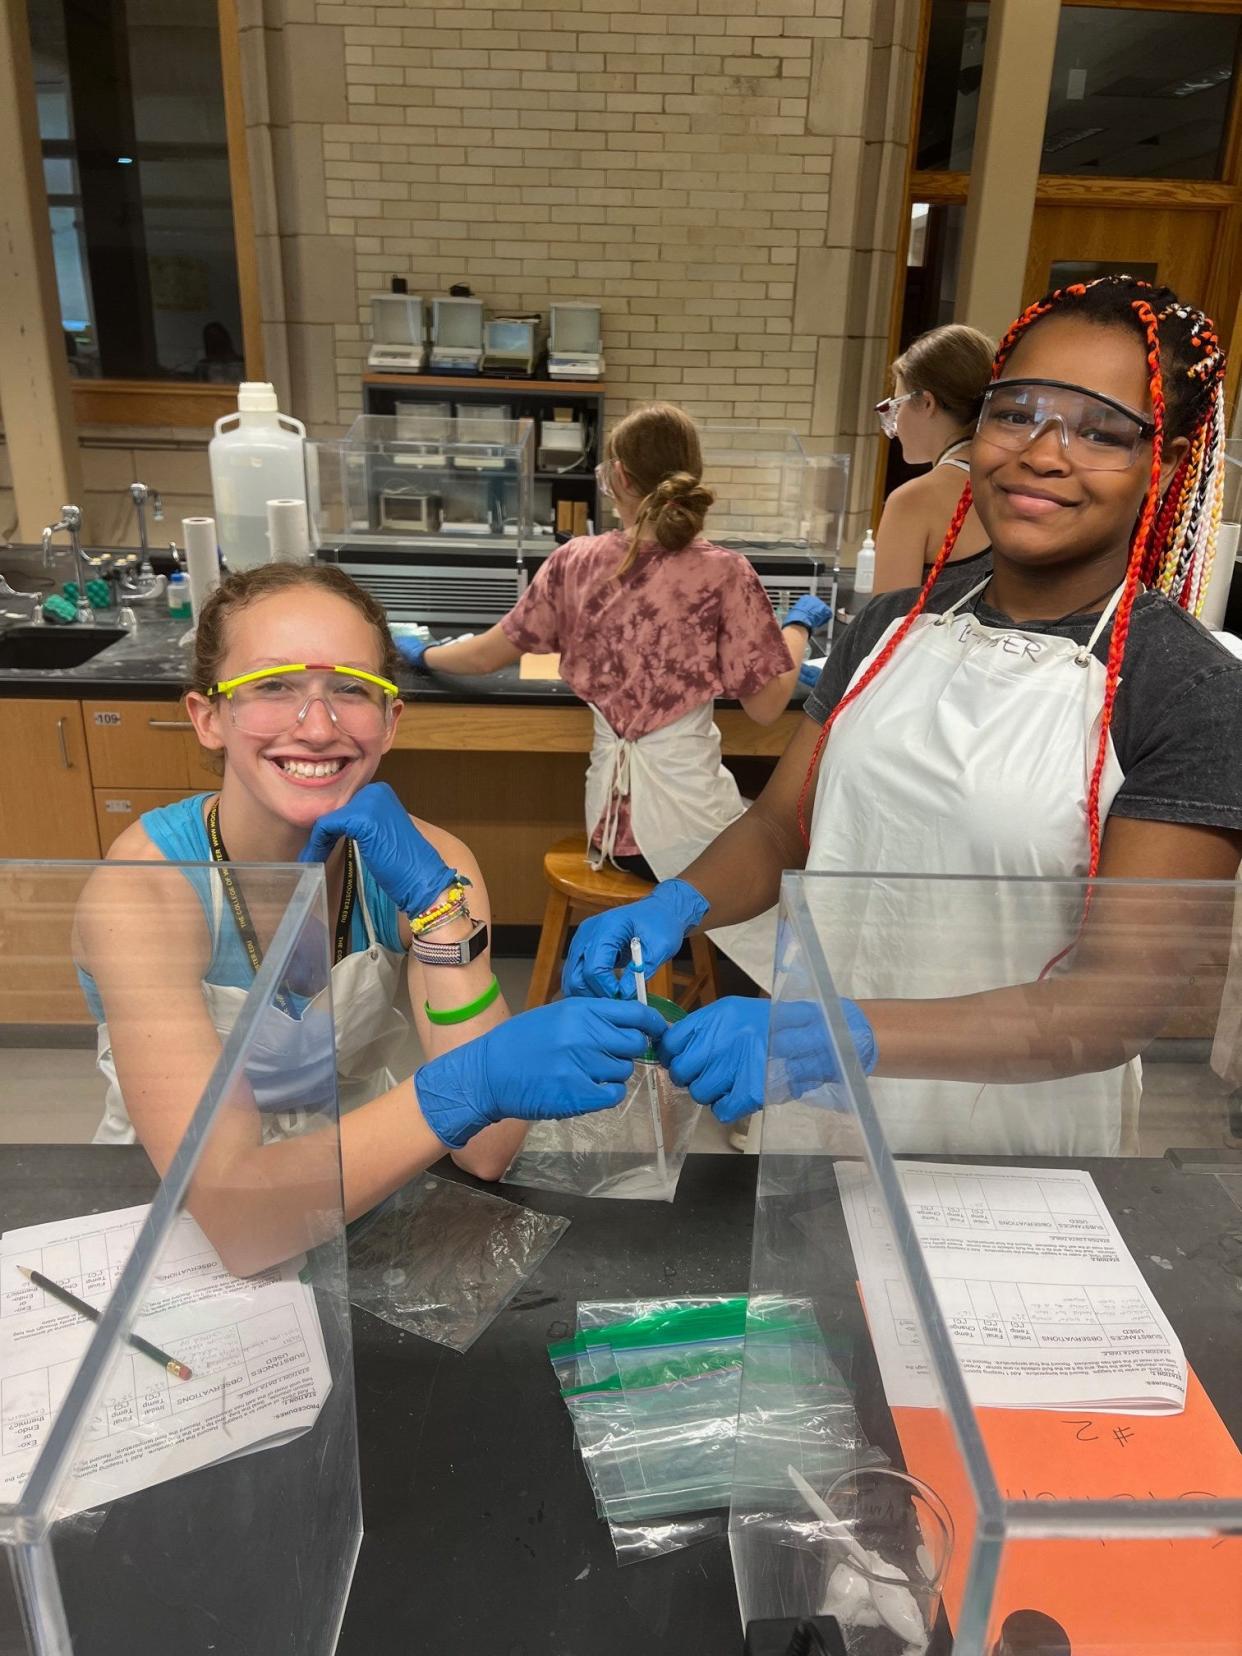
<point>660,922</point>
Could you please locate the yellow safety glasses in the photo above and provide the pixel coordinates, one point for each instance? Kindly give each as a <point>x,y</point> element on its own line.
<point>273,700</point>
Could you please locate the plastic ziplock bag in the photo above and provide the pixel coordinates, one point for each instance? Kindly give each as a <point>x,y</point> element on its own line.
<point>441,1260</point>
<point>635,1151</point>
<point>627,1449</point>
<point>655,1403</point>
<point>613,1153</point>
<point>796,1408</point>
<point>796,1415</point>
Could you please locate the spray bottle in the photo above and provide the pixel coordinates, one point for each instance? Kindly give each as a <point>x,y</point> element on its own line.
<point>864,569</point>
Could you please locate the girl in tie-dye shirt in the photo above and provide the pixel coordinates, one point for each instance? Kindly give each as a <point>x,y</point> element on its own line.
<point>650,620</point>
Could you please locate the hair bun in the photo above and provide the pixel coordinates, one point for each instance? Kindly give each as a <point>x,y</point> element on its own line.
<point>678,505</point>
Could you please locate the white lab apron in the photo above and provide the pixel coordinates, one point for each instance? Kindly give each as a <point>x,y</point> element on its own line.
<point>288,1068</point>
<point>970,753</point>
<point>681,798</point>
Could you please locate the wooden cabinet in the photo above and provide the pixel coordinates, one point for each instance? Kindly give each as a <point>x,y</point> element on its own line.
<point>75,775</point>
<point>46,805</point>
<point>145,744</point>
<point>46,812</point>
<point>117,808</point>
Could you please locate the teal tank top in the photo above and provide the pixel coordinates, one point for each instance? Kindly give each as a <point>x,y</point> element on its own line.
<point>178,830</point>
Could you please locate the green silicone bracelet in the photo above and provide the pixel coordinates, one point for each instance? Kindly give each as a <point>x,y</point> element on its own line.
<point>463,1014</point>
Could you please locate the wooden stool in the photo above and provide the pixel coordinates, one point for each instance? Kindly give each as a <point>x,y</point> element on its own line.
<point>576,890</point>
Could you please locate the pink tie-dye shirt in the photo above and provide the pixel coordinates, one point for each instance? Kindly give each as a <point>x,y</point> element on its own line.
<point>677,630</point>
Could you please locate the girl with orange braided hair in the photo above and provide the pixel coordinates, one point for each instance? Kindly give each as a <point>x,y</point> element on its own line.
<point>1050,709</point>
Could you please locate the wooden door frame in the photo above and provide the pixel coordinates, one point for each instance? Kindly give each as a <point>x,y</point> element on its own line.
<point>1222,298</point>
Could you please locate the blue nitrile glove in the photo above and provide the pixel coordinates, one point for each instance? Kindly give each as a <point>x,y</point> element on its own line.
<point>809,612</point>
<point>809,675</point>
<point>719,1053</point>
<point>406,867</point>
<point>659,921</point>
<point>566,1059</point>
<point>412,651</point>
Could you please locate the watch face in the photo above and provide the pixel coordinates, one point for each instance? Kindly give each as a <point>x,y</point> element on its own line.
<point>452,954</point>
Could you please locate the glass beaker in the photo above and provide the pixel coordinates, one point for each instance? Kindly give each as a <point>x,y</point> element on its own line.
<point>893,1585</point>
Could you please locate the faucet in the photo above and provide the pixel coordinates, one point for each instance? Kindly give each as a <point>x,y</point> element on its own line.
<point>140,494</point>
<point>71,524</point>
<point>113,569</point>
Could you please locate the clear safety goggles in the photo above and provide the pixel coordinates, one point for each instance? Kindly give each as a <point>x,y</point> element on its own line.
<point>274,700</point>
<point>1095,432</point>
<point>603,477</point>
<point>887,410</point>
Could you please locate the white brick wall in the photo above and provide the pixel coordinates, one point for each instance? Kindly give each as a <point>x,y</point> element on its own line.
<point>725,176</point>
<point>658,159</point>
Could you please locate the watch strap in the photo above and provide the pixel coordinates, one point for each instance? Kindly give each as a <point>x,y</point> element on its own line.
<point>460,953</point>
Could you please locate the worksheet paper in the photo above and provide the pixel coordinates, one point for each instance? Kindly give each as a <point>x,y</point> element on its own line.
<point>260,1371</point>
<point>1043,1301</point>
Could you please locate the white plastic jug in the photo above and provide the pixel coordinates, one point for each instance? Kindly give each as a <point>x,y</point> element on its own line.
<point>257,460</point>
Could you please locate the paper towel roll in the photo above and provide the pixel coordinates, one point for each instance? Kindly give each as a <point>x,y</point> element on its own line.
<point>287,532</point>
<point>202,561</point>
<point>1212,612</point>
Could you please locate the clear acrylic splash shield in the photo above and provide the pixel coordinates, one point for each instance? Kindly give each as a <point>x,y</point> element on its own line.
<point>146,1509</point>
<point>1022,1240</point>
<point>421,479</point>
<point>772,498</point>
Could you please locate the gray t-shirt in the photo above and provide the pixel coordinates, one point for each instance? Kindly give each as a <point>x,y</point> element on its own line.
<point>1177,722</point>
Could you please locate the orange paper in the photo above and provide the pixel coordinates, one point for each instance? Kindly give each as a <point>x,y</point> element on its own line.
<point>1114,1597</point>
<point>539,667</point>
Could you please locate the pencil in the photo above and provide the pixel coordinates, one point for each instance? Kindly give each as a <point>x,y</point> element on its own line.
<point>179,1370</point>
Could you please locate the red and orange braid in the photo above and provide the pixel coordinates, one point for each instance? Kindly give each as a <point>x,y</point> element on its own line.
<point>1134,573</point>
<point>1125,608</point>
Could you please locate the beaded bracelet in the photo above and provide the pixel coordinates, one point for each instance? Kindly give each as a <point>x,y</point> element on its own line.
<point>452,899</point>
<point>456,912</point>
<point>463,1014</point>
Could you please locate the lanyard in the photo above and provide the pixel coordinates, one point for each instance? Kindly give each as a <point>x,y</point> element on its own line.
<point>241,910</point>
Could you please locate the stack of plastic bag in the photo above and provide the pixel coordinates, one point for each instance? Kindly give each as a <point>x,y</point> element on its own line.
<point>654,1388</point>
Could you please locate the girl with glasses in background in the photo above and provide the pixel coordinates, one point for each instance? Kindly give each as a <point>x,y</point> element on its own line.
<point>938,388</point>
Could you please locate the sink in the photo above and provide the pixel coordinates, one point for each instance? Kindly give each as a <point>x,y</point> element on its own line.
<point>55,646</point>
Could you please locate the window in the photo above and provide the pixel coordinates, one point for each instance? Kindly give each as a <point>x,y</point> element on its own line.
<point>1135,93</point>
<point>131,115</point>
<point>952,77</point>
<point>1140,94</point>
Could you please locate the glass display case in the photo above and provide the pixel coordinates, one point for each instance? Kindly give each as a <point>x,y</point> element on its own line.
<point>429,510</point>
<point>779,505</point>
<point>773,499</point>
<point>1020,1241</point>
<point>178,1449</point>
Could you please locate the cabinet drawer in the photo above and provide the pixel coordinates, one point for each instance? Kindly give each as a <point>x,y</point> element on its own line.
<point>117,808</point>
<point>144,745</point>
<point>45,788</point>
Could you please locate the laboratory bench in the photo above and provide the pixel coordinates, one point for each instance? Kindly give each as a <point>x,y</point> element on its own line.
<point>499,761</point>
<point>480,1527</point>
